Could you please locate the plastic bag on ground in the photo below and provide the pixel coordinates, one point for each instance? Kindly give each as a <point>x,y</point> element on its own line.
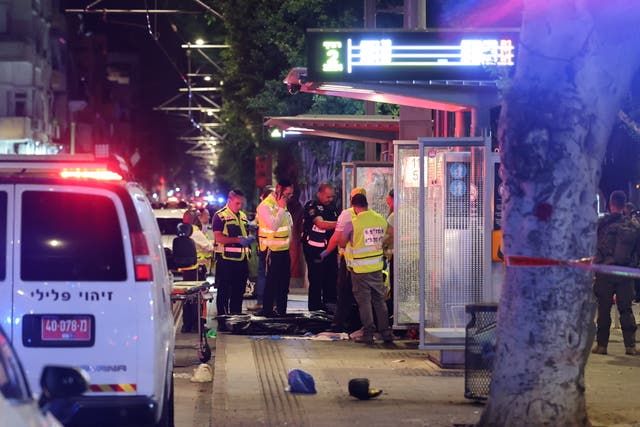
<point>301,382</point>
<point>202,374</point>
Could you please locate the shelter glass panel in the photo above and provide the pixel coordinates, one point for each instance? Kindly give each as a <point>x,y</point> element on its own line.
<point>377,181</point>
<point>406,238</point>
<point>455,229</point>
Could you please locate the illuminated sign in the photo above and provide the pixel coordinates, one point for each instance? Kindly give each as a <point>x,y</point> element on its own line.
<point>408,55</point>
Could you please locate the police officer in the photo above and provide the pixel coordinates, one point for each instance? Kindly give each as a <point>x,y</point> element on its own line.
<point>363,252</point>
<point>618,244</point>
<point>320,216</point>
<point>232,252</point>
<point>274,232</point>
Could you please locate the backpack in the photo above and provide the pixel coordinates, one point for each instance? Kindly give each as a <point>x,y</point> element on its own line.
<point>621,237</point>
<point>184,248</point>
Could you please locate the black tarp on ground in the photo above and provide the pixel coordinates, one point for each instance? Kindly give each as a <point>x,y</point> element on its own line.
<point>292,324</point>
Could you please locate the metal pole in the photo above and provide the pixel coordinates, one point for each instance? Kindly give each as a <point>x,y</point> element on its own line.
<point>139,11</point>
<point>72,145</point>
<point>421,241</point>
<point>489,206</point>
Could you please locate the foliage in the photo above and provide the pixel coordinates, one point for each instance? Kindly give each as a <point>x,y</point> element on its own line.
<point>266,39</point>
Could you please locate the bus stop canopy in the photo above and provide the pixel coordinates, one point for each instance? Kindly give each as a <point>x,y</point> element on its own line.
<point>370,128</point>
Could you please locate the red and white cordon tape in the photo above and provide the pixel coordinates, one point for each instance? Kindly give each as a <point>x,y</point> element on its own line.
<point>582,263</point>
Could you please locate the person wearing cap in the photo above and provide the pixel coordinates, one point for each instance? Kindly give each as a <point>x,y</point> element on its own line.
<point>342,320</point>
<point>232,253</point>
<point>320,215</point>
<point>274,236</point>
<point>204,249</point>
<point>362,238</point>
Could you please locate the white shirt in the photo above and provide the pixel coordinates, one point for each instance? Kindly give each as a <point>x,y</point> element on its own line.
<point>271,221</point>
<point>202,243</point>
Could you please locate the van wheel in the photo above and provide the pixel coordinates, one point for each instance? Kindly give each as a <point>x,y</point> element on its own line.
<point>167,420</point>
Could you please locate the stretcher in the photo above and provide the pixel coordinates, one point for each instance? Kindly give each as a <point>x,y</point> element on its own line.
<point>196,291</point>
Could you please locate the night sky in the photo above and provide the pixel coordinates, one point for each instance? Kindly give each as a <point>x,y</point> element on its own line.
<point>162,62</point>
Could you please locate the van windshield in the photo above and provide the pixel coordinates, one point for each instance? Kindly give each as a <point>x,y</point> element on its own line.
<point>70,237</point>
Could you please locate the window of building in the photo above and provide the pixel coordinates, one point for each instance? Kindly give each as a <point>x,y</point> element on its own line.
<point>3,18</point>
<point>20,104</point>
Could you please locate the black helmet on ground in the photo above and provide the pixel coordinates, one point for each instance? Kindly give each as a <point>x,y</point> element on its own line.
<point>359,387</point>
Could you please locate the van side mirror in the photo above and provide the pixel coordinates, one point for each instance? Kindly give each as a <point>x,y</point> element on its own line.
<point>59,382</point>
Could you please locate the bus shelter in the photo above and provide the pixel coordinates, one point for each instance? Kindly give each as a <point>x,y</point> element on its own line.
<point>443,235</point>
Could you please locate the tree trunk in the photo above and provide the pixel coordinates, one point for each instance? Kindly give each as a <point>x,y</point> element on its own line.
<point>573,69</point>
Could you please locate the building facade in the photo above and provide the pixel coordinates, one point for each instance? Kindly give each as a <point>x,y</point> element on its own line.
<point>32,76</point>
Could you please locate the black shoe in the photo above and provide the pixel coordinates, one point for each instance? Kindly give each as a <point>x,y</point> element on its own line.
<point>365,339</point>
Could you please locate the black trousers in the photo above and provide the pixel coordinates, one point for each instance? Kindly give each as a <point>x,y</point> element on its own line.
<point>322,277</point>
<point>231,282</point>
<point>347,317</point>
<point>276,289</point>
<point>605,287</point>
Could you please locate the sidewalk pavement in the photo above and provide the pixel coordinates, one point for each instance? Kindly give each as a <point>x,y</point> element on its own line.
<point>250,377</point>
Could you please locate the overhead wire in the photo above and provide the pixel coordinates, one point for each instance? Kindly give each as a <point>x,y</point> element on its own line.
<point>162,49</point>
<point>186,80</point>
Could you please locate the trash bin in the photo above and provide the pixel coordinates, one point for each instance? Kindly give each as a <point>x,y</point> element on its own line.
<point>479,351</point>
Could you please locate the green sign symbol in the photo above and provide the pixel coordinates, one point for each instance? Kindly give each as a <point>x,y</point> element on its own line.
<point>332,55</point>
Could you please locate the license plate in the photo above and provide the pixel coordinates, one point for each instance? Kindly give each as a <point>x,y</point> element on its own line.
<point>66,328</point>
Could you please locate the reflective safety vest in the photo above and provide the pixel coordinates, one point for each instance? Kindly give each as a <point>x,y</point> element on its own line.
<point>347,253</point>
<point>234,226</point>
<point>365,247</point>
<point>204,258</point>
<point>278,239</point>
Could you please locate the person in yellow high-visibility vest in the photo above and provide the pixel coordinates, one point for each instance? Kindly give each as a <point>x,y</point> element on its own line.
<point>232,253</point>
<point>274,236</point>
<point>363,251</point>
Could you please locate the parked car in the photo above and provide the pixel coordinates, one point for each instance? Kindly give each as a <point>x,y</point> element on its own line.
<point>168,220</point>
<point>84,282</point>
<point>17,406</point>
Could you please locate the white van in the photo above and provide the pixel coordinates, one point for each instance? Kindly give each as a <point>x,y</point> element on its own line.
<point>84,282</point>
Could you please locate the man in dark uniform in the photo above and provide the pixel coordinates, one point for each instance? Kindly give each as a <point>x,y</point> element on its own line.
<point>232,252</point>
<point>618,244</point>
<point>320,216</point>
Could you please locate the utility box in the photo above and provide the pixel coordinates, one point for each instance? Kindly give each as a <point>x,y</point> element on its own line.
<point>480,350</point>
